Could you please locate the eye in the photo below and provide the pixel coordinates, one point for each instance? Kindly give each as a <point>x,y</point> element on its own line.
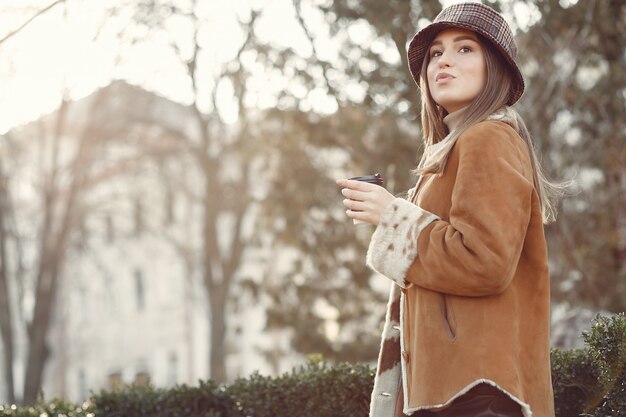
<point>435,53</point>
<point>465,49</point>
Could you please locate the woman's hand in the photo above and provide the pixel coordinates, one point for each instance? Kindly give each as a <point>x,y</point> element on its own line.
<point>369,200</point>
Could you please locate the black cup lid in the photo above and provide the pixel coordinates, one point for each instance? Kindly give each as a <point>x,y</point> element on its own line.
<point>373,179</point>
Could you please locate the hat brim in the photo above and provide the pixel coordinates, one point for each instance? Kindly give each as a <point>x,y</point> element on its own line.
<point>422,40</point>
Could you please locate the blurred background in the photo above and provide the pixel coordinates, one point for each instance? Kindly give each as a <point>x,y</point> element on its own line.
<point>168,211</point>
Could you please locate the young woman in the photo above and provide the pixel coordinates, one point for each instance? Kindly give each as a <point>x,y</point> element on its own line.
<point>467,327</point>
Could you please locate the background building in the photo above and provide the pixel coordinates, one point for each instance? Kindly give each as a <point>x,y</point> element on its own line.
<point>130,308</point>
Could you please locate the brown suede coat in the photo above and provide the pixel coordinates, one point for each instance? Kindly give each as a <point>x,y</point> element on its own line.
<point>470,300</point>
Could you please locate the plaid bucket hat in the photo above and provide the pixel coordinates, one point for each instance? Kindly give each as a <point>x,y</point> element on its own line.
<point>478,18</point>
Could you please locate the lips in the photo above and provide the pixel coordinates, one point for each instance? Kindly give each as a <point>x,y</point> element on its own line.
<point>443,76</point>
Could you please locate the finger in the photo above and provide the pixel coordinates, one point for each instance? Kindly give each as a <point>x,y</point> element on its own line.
<point>354,194</point>
<point>356,185</point>
<point>355,205</point>
<point>359,215</point>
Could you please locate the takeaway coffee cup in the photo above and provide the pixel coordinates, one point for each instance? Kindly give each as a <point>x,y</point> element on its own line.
<point>372,179</point>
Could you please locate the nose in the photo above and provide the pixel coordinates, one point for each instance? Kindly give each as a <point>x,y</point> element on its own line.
<point>445,59</point>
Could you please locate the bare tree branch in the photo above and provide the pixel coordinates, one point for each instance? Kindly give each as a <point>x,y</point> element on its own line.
<point>39,13</point>
<point>325,64</point>
<point>225,69</point>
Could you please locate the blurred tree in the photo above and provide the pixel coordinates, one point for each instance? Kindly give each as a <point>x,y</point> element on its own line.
<point>68,151</point>
<point>6,316</point>
<point>61,183</point>
<point>222,157</point>
<point>315,280</point>
<point>574,60</point>
<point>7,237</point>
<point>328,296</point>
<point>62,170</point>
<point>574,101</point>
<point>29,20</point>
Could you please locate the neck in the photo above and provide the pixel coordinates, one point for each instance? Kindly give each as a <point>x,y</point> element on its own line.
<point>453,119</point>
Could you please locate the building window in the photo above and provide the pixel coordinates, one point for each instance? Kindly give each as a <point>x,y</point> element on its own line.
<point>82,300</point>
<point>83,233</point>
<point>138,217</point>
<point>140,291</point>
<point>169,207</point>
<point>142,376</point>
<point>114,380</point>
<point>172,369</point>
<point>108,301</point>
<point>110,229</point>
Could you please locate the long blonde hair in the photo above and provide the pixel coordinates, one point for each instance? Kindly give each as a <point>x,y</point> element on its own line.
<point>489,102</point>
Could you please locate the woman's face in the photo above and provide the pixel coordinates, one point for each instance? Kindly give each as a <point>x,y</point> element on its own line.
<point>456,72</point>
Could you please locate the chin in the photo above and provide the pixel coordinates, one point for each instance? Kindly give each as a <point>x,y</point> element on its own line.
<point>447,105</point>
<point>452,105</point>
<point>445,101</point>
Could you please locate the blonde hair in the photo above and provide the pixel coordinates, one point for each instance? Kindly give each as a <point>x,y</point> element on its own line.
<point>489,102</point>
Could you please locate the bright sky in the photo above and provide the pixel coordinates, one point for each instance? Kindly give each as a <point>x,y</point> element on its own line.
<point>59,51</point>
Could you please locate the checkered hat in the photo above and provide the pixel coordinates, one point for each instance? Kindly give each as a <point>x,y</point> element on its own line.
<point>478,18</point>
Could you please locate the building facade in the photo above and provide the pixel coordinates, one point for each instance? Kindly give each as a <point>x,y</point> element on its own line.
<point>130,306</point>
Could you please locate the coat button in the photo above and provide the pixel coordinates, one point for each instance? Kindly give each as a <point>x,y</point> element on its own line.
<point>405,356</point>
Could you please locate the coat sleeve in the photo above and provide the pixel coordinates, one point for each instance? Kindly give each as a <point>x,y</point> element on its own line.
<point>476,252</point>
<point>393,246</point>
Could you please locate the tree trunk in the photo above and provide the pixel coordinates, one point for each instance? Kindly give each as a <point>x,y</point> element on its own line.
<point>215,288</point>
<point>56,232</point>
<point>51,265</point>
<point>52,258</point>
<point>218,337</point>
<point>6,328</point>
<point>38,351</point>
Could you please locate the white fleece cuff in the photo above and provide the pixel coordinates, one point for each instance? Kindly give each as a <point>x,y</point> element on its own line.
<point>393,246</point>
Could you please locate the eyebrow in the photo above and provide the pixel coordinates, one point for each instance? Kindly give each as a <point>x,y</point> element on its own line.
<point>458,38</point>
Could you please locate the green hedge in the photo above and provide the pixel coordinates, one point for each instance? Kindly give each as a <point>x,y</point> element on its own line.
<point>607,347</point>
<point>589,382</point>
<point>316,390</point>
<point>206,400</point>
<point>592,381</point>
<point>55,408</point>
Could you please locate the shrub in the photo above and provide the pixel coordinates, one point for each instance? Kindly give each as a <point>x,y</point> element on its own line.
<point>53,408</point>
<point>592,381</point>
<point>574,376</point>
<point>607,348</point>
<point>314,390</point>
<point>587,382</point>
<point>206,400</point>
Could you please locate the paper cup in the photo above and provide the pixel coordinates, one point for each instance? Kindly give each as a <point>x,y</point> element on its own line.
<point>372,179</point>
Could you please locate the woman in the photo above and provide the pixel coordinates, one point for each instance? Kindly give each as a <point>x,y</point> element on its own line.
<point>467,327</point>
